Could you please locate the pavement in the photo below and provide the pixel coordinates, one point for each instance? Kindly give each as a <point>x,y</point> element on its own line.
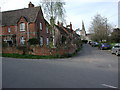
<point>90,68</point>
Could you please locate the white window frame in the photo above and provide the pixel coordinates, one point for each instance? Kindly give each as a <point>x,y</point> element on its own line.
<point>22,40</point>
<point>40,26</point>
<point>47,30</point>
<point>41,41</point>
<point>9,29</point>
<point>47,41</point>
<point>22,26</point>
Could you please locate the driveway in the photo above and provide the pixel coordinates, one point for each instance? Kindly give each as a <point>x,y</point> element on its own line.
<point>90,68</point>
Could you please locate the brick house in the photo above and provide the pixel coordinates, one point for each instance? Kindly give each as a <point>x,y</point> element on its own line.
<point>65,36</point>
<point>18,26</point>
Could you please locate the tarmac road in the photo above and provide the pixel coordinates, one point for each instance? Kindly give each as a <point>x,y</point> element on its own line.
<point>90,68</point>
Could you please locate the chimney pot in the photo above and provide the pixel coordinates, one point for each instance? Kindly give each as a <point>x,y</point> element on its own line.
<point>30,5</point>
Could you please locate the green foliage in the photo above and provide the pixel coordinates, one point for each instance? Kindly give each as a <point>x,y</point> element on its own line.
<point>84,41</point>
<point>27,56</point>
<point>33,41</point>
<point>4,44</point>
<point>63,39</point>
<point>51,45</point>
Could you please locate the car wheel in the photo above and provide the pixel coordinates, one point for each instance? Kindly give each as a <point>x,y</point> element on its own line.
<point>117,53</point>
<point>112,52</point>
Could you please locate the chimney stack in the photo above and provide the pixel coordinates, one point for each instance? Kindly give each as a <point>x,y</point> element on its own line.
<point>62,24</point>
<point>58,23</point>
<point>70,26</point>
<point>30,5</point>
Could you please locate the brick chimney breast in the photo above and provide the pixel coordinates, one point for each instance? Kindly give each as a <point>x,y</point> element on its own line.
<point>30,5</point>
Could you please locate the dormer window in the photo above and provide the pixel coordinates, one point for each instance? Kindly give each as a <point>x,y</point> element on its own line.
<point>40,26</point>
<point>22,26</point>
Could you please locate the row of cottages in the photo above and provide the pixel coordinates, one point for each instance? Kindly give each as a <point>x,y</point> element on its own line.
<point>18,26</point>
<point>66,36</point>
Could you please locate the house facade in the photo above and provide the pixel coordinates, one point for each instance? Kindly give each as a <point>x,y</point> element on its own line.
<point>18,26</point>
<point>65,36</point>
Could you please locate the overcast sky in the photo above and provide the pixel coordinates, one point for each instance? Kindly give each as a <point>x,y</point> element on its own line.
<point>76,10</point>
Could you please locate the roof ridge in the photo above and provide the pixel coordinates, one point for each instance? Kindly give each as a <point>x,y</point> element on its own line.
<point>19,9</point>
<point>11,17</point>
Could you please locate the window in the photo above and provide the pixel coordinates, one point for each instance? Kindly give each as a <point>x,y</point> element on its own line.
<point>40,26</point>
<point>47,30</point>
<point>9,29</point>
<point>22,27</point>
<point>47,41</point>
<point>41,41</point>
<point>22,40</point>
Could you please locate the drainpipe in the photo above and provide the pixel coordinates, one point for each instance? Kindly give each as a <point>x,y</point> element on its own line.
<point>28,33</point>
<point>16,30</point>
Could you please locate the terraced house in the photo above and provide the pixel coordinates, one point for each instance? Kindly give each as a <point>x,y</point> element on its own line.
<point>18,26</point>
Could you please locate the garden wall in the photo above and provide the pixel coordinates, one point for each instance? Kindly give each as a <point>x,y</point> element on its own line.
<point>42,51</point>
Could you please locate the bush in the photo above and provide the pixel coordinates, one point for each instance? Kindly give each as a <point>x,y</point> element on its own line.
<point>4,44</point>
<point>84,41</point>
<point>33,41</point>
<point>63,39</point>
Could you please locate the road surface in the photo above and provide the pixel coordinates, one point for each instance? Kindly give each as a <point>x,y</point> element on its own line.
<point>90,68</point>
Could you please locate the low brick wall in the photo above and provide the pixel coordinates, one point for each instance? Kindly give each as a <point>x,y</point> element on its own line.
<point>36,50</point>
<point>42,51</point>
<point>11,50</point>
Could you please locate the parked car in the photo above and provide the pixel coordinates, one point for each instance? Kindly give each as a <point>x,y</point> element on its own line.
<point>103,46</point>
<point>116,49</point>
<point>90,42</point>
<point>94,44</point>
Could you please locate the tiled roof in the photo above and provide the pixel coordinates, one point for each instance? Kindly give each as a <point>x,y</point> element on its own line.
<point>12,17</point>
<point>61,30</point>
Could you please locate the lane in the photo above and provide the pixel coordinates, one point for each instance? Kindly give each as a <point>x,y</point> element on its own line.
<point>91,68</point>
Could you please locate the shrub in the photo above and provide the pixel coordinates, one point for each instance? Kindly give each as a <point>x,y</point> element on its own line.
<point>84,41</point>
<point>33,41</point>
<point>63,39</point>
<point>4,44</point>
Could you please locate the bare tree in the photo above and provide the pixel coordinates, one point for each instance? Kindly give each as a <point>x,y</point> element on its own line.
<point>54,11</point>
<point>100,28</point>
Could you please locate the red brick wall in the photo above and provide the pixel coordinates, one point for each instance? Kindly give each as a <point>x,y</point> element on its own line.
<point>42,51</point>
<point>11,50</point>
<point>5,30</point>
<point>42,32</point>
<point>32,30</point>
<point>21,33</point>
